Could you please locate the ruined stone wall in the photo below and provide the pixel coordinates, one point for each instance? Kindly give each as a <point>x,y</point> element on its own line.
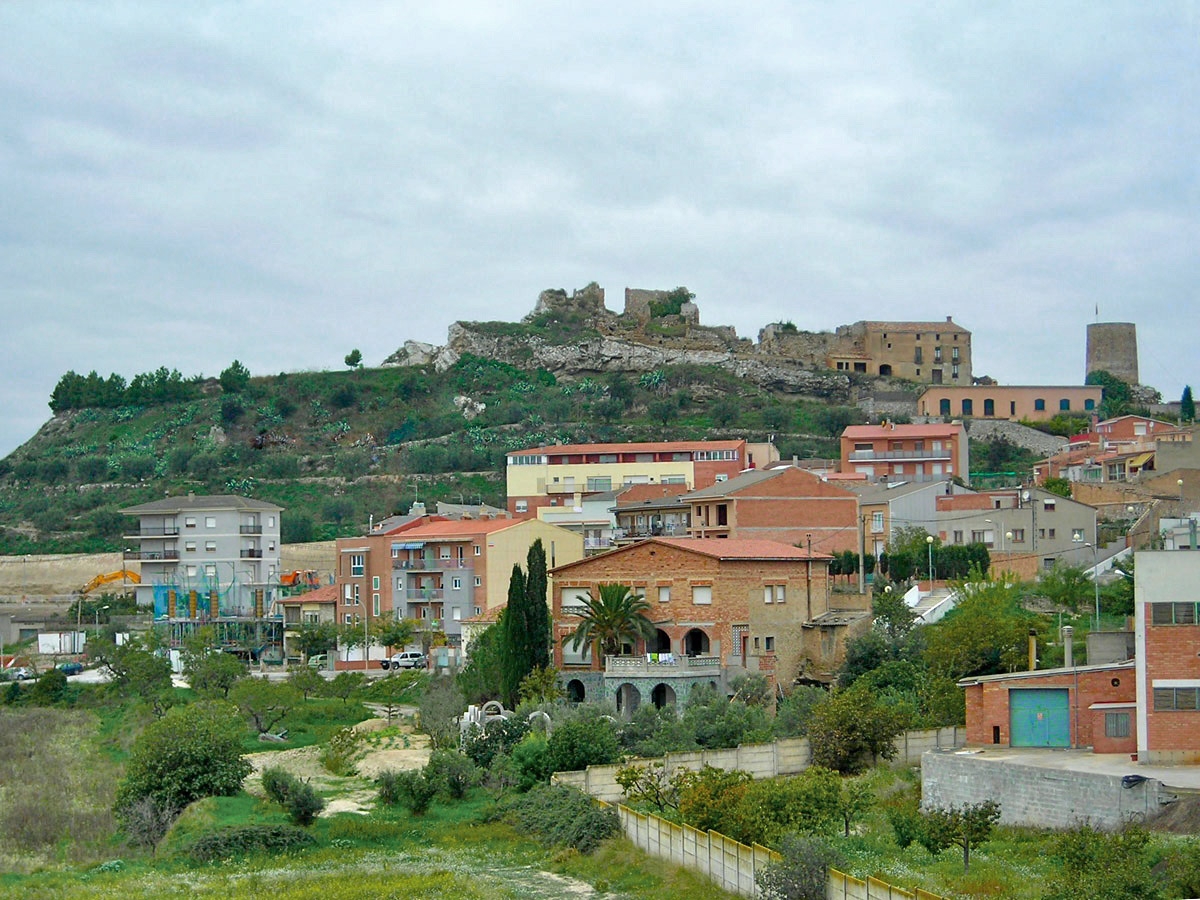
<point>1112,347</point>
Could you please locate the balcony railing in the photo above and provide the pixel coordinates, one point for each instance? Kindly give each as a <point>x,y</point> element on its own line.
<point>151,555</point>
<point>251,554</point>
<point>594,543</point>
<point>647,531</point>
<point>172,531</point>
<point>857,455</point>
<point>659,664</point>
<point>249,529</point>
<point>431,564</point>
<point>420,595</point>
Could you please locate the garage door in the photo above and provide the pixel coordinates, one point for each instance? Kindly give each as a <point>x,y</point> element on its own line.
<point>1040,717</point>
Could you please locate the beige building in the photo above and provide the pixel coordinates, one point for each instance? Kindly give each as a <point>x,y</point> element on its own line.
<point>1034,403</point>
<point>932,352</point>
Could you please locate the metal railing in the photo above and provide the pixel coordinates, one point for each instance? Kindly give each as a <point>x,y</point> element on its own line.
<point>658,664</point>
<point>173,531</point>
<point>420,595</point>
<point>151,554</point>
<point>251,554</point>
<point>249,529</point>
<point>432,564</point>
<point>858,455</point>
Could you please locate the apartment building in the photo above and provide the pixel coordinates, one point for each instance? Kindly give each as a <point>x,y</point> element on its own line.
<point>206,556</point>
<point>884,507</point>
<point>563,475</point>
<point>891,452</point>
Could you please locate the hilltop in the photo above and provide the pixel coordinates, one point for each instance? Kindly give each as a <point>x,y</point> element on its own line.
<point>430,423</point>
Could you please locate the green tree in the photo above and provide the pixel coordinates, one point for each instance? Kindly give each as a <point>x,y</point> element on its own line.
<point>802,872</point>
<point>611,616</point>
<point>1065,586</point>
<point>1060,486</point>
<point>440,706</point>
<point>264,703</point>
<point>479,681</point>
<point>985,634</point>
<point>514,643</point>
<point>316,638</point>
<point>540,686</point>
<point>664,411</point>
<point>967,826</point>
<point>726,411</point>
<point>394,633</point>
<point>306,680</point>
<point>583,742</point>
<point>538,610</point>
<point>1116,395</point>
<point>235,379</point>
<point>345,684</point>
<point>139,670</point>
<point>1097,865</point>
<point>193,751</point>
<point>214,674</point>
<point>1187,406</point>
<point>850,725</point>
<point>354,359</point>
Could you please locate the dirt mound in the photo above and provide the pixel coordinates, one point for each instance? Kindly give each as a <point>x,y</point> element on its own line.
<point>1180,817</point>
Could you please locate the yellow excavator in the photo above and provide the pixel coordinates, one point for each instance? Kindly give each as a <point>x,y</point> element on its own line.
<point>122,575</point>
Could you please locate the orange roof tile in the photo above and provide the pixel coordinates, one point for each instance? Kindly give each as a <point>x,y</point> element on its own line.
<point>636,493</point>
<point>936,429</point>
<point>462,528</point>
<point>648,447</point>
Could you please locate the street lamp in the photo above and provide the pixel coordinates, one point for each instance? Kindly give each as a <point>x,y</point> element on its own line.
<point>1095,580</point>
<point>929,546</point>
<point>98,618</point>
<point>1002,533</point>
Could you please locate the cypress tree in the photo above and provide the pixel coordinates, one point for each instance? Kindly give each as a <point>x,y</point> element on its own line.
<point>537,610</point>
<point>1187,405</point>
<point>514,656</point>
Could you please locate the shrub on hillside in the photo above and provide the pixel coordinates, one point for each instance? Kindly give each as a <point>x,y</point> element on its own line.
<point>582,743</point>
<point>299,798</point>
<point>247,839</point>
<point>802,873</point>
<point>412,790</point>
<point>451,774</point>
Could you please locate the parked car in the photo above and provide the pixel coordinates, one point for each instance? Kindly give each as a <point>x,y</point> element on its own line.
<point>320,661</point>
<point>21,673</point>
<point>409,659</point>
<point>70,668</point>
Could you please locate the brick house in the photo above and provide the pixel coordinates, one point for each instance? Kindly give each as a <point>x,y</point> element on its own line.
<point>784,504</point>
<point>721,607</point>
<point>891,452</point>
<point>563,474</point>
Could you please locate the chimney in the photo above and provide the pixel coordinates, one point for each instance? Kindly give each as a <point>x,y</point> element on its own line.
<point>1068,646</point>
<point>949,318</point>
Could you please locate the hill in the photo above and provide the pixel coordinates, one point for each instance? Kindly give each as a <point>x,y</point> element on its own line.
<point>334,448</point>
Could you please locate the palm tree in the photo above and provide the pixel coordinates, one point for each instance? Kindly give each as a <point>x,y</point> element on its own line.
<point>611,616</point>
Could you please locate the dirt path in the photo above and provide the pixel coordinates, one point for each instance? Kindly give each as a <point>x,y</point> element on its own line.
<point>384,747</point>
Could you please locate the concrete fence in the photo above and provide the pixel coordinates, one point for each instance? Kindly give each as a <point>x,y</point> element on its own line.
<point>733,865</point>
<point>786,757</point>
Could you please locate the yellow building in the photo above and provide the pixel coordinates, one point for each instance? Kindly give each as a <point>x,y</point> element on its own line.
<point>933,352</point>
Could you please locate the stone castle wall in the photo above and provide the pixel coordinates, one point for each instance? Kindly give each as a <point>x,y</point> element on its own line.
<point>1112,347</point>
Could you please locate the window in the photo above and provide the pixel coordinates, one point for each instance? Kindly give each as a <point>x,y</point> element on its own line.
<point>701,594</point>
<point>478,611</point>
<point>1178,698</point>
<point>311,618</point>
<point>978,537</point>
<point>357,565</point>
<point>478,581</point>
<point>210,546</point>
<point>958,537</point>
<point>608,458</point>
<point>1173,613</point>
<point>357,598</point>
<point>456,614</point>
<point>769,593</point>
<point>954,371</point>
<point>1049,505</point>
<point>1116,724</point>
<point>270,521</point>
<point>954,351</point>
<point>780,593</point>
<point>1076,534</point>
<point>673,479</point>
<point>444,553</point>
<point>1018,535</point>
<point>424,612</point>
<point>522,506</point>
<point>721,476</point>
<point>1064,404</point>
<point>478,549</point>
<point>600,483</point>
<point>944,406</point>
<point>348,594</point>
<point>937,354</point>
<point>1050,533</point>
<point>1039,404</point>
<point>374,604</point>
<point>189,522</point>
<point>375,582</point>
<point>210,521</point>
<point>769,644</point>
<point>968,407</point>
<point>189,546</point>
<point>347,619</point>
<point>191,571</point>
<point>456,584</point>
<point>989,407</point>
<point>664,594</point>
<point>210,571</point>
<point>1089,404</point>
<point>534,460</point>
<point>876,522</point>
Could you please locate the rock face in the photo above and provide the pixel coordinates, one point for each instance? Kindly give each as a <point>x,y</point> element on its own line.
<point>792,363</point>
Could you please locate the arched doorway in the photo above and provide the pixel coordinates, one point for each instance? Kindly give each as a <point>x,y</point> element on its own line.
<point>628,699</point>
<point>695,643</point>
<point>885,369</point>
<point>662,696</point>
<point>575,691</point>
<point>662,641</point>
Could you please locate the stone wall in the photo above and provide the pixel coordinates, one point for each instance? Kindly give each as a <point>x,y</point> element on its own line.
<point>1034,796</point>
<point>1112,348</point>
<point>1022,435</point>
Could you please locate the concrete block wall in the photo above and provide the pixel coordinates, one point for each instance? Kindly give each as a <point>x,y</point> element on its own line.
<point>1034,796</point>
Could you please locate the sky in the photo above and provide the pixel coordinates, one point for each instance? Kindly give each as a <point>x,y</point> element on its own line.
<point>282,182</point>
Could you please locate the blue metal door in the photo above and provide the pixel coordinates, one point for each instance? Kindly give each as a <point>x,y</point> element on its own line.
<point>1039,717</point>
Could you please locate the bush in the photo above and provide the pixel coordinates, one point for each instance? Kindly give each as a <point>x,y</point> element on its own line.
<point>483,744</point>
<point>246,839</point>
<point>582,743</point>
<point>299,798</point>
<point>412,790</point>
<point>561,816</point>
<point>451,774</point>
<point>802,873</point>
<point>338,755</point>
<point>531,762</point>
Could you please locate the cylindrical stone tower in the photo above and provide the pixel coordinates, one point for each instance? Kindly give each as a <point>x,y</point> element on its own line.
<point>1112,347</point>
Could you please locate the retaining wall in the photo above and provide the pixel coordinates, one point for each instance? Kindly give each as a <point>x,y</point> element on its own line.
<point>1036,796</point>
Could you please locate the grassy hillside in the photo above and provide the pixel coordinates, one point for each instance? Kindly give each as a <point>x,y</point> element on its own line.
<point>337,447</point>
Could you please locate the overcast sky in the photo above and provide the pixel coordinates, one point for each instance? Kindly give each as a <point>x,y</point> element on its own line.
<point>186,184</point>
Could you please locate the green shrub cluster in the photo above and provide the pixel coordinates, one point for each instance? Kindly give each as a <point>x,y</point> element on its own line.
<point>411,789</point>
<point>244,840</point>
<point>299,798</point>
<point>561,816</point>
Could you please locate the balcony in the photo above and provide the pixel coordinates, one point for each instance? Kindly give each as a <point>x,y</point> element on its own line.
<point>595,543</point>
<point>151,555</point>
<point>658,665</point>
<point>250,529</point>
<point>431,564</point>
<point>420,595</point>
<point>251,554</point>
<point>171,531</point>
<point>858,455</point>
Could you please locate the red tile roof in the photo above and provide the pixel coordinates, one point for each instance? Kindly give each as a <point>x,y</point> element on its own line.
<point>325,594</point>
<point>648,447</point>
<point>637,493</point>
<point>740,548</point>
<point>936,429</point>
<point>461,528</point>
